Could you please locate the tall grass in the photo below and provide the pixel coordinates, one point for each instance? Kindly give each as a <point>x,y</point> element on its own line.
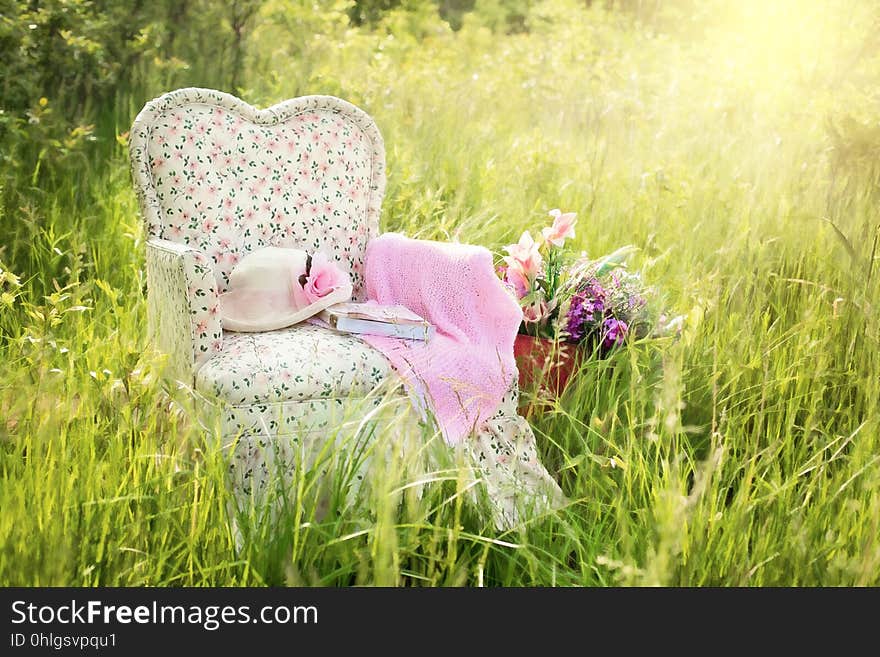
<point>745,453</point>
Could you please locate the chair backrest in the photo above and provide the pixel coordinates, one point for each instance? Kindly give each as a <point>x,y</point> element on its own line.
<point>216,173</point>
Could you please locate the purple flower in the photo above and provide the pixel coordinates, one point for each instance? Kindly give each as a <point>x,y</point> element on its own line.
<point>615,331</point>
<point>575,320</point>
<point>597,293</point>
<point>586,310</point>
<point>636,302</point>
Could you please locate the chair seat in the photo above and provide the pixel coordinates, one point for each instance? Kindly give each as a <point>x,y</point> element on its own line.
<point>299,363</point>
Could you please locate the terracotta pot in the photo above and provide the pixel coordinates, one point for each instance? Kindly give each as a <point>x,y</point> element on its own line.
<point>544,366</point>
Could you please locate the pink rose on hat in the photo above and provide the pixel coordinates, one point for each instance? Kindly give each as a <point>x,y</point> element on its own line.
<point>324,277</point>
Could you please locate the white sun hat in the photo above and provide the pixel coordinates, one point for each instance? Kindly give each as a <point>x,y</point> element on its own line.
<point>270,289</point>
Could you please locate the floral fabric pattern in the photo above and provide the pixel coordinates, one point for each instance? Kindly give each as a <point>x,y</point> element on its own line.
<point>504,456</point>
<point>321,416</point>
<point>183,307</point>
<point>219,175</point>
<point>272,440</point>
<point>294,364</point>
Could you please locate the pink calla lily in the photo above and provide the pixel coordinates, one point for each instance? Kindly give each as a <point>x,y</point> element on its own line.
<point>515,277</point>
<point>536,311</point>
<point>525,255</point>
<point>562,228</point>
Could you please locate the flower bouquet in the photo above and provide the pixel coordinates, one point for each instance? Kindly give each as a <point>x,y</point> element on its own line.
<point>573,306</point>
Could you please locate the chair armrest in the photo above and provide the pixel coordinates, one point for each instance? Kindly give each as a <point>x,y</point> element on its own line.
<point>183,306</point>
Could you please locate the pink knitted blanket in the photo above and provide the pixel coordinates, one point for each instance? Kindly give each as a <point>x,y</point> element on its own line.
<point>465,370</point>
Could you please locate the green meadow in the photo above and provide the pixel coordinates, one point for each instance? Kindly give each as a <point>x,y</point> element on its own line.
<point>735,144</point>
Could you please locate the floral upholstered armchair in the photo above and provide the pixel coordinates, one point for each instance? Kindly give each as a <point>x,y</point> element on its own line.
<point>216,179</point>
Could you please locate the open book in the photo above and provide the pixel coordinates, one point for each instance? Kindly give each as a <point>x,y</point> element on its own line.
<point>375,319</point>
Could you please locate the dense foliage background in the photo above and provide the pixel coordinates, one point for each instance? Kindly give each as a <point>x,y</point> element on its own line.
<point>737,144</point>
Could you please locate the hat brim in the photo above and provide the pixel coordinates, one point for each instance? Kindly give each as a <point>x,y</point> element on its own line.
<point>235,317</point>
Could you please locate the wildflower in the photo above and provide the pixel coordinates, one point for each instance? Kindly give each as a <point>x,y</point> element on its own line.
<point>8,277</point>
